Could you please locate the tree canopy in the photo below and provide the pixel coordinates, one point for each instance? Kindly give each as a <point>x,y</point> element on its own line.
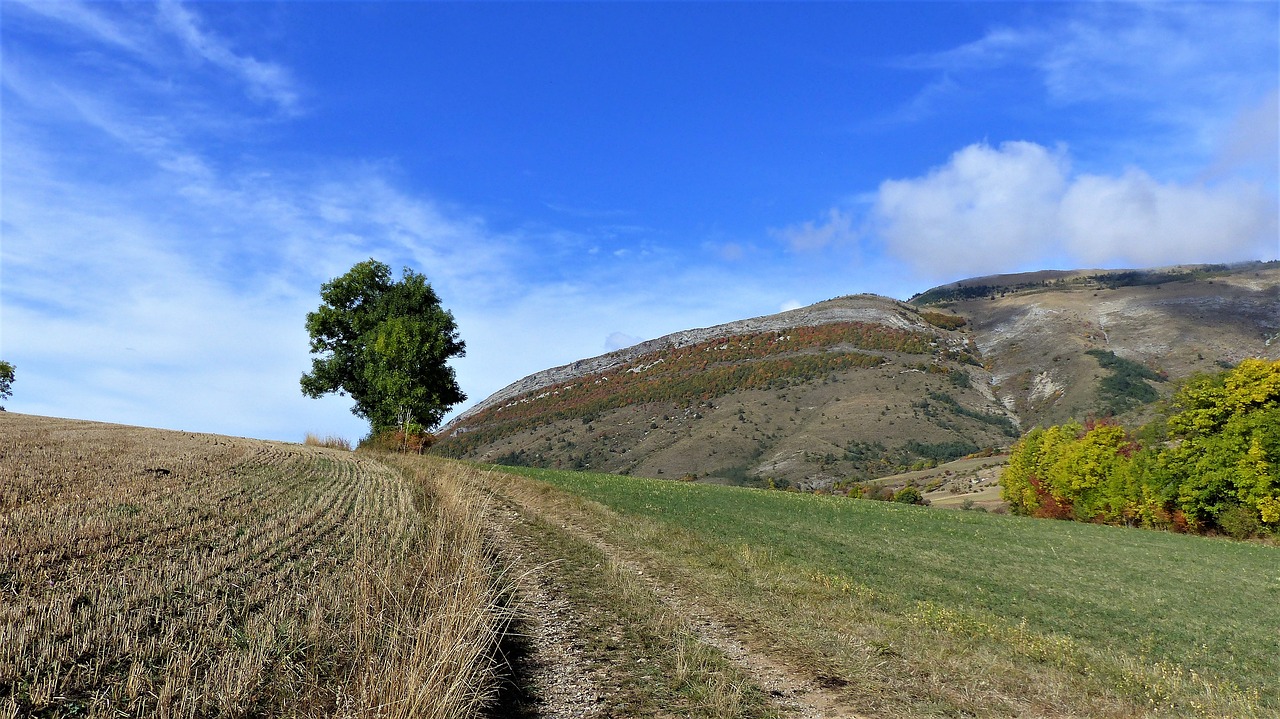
<point>386,344</point>
<point>1213,463</point>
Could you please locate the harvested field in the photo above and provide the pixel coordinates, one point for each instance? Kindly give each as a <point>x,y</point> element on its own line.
<point>153,573</point>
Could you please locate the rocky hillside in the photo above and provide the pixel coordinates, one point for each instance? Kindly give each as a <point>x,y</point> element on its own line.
<point>865,386</point>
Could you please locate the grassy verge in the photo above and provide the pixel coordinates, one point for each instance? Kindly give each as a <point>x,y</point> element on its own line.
<point>149,573</point>
<point>918,612</point>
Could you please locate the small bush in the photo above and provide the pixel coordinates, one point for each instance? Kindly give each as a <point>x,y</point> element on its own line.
<point>1239,522</point>
<point>908,495</point>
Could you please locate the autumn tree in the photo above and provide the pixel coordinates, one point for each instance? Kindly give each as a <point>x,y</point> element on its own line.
<point>1212,463</point>
<point>386,344</point>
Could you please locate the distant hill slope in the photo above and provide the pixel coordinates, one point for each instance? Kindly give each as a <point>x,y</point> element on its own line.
<point>864,386</point>
<point>1044,334</point>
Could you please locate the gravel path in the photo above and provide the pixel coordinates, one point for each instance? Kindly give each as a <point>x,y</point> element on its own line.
<point>556,674</point>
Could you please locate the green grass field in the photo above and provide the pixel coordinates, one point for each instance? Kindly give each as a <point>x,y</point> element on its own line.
<point>925,612</point>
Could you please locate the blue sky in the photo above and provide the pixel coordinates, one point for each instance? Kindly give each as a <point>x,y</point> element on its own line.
<point>178,179</point>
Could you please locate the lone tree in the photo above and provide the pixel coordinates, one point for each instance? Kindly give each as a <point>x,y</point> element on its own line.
<point>6,380</point>
<point>387,345</point>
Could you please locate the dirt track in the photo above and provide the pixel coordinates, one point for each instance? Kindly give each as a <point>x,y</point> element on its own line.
<point>565,681</point>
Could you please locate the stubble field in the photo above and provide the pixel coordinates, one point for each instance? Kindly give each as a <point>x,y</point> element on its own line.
<point>152,573</point>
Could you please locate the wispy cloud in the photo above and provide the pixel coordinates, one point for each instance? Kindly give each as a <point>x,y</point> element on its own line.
<point>1251,144</point>
<point>1169,77</point>
<point>1127,51</point>
<point>156,66</point>
<point>158,283</point>
<point>264,80</point>
<point>85,18</point>
<point>1164,54</point>
<point>833,230</point>
<point>999,46</point>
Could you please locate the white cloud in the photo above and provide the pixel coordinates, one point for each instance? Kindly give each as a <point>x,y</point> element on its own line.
<point>1185,171</point>
<point>986,205</point>
<point>1019,207</point>
<point>1135,219</point>
<point>789,305</point>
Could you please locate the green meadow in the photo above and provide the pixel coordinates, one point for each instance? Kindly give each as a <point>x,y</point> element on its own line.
<point>922,611</point>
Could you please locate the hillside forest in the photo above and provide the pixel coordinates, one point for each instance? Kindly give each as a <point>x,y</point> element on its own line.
<point>1209,463</point>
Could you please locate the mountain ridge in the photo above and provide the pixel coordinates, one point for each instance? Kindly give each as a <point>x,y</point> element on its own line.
<point>825,312</point>
<point>863,386</point>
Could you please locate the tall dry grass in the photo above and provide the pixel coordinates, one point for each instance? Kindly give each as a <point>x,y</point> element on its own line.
<point>443,662</point>
<point>149,573</point>
<point>329,440</point>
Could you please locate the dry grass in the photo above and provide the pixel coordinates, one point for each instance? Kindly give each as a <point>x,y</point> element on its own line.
<point>151,573</point>
<point>331,441</point>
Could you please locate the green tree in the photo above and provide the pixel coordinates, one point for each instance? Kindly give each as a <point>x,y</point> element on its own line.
<point>6,380</point>
<point>1016,481</point>
<point>386,344</point>
<point>1228,442</point>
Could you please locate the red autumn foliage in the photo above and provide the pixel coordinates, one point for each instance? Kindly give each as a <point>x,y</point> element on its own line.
<point>1050,507</point>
